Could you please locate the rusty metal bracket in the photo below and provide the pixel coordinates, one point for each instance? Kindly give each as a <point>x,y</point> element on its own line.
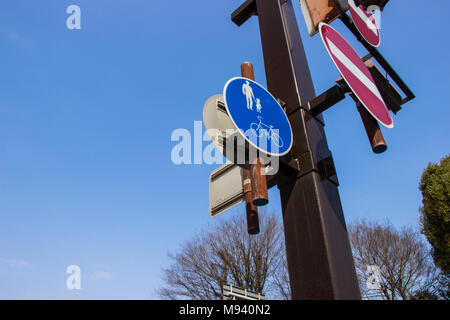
<point>325,100</point>
<point>380,59</point>
<point>322,102</point>
<point>296,168</point>
<point>327,169</point>
<point>289,168</point>
<point>309,115</point>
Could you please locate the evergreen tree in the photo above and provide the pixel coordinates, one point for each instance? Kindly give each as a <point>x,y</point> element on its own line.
<point>435,211</point>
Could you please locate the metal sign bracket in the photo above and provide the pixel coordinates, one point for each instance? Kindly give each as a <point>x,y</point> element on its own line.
<point>297,168</point>
<point>380,59</point>
<point>322,102</point>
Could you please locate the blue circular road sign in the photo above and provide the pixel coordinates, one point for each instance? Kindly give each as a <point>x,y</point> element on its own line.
<point>258,116</point>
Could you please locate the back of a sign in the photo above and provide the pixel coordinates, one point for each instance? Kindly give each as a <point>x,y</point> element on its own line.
<point>317,11</point>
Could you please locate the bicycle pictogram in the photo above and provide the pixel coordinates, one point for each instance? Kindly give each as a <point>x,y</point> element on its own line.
<point>261,129</point>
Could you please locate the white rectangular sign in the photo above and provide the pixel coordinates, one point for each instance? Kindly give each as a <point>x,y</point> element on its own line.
<point>225,189</point>
<point>230,292</point>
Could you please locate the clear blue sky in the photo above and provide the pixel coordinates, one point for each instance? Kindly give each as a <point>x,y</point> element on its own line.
<point>86,118</point>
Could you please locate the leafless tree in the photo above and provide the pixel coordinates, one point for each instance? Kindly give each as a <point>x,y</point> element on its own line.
<point>280,281</point>
<point>226,253</point>
<point>401,263</point>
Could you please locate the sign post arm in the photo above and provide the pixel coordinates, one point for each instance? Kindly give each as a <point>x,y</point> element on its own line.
<point>244,12</point>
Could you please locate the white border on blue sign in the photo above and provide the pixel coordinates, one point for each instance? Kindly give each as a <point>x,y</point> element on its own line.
<point>240,131</point>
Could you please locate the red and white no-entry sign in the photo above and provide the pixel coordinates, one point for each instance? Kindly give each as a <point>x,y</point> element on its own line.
<point>365,23</point>
<point>356,74</point>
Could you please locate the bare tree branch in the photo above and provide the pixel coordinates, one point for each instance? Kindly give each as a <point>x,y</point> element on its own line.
<point>401,256</point>
<point>226,253</point>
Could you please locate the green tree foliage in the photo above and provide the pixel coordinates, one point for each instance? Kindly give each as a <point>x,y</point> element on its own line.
<point>435,211</point>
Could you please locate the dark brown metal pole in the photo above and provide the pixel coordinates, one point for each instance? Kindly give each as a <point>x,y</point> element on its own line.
<point>258,178</point>
<point>320,261</point>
